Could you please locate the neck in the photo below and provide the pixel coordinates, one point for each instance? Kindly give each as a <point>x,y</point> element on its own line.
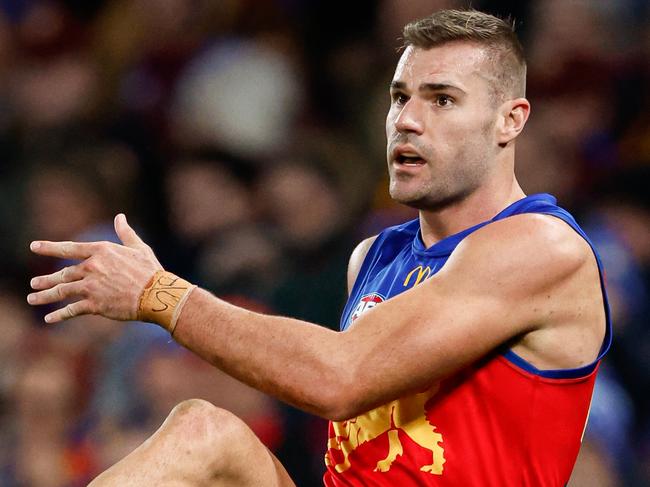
<point>481,205</point>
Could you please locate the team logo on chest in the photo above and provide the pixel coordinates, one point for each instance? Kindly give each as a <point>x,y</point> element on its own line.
<point>418,274</point>
<point>365,303</point>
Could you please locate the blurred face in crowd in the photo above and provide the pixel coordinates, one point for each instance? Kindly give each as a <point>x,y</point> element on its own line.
<point>204,197</point>
<point>441,124</point>
<point>305,206</point>
<point>61,204</point>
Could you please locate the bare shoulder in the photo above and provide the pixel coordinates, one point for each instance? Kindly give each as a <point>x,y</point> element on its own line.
<point>541,249</point>
<point>357,258</point>
<point>544,274</point>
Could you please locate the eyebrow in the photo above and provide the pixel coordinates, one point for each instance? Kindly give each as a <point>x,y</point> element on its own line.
<point>400,85</point>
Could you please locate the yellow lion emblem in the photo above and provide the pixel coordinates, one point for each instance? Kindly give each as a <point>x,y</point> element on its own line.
<point>406,415</point>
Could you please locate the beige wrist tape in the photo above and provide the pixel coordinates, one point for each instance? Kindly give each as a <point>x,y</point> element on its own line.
<point>163,298</point>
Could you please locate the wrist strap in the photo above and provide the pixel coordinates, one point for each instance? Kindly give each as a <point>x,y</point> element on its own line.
<point>163,298</point>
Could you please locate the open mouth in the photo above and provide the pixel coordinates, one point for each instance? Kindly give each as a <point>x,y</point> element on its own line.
<point>409,159</point>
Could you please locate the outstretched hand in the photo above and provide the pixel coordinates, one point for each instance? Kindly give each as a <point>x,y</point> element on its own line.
<point>108,281</point>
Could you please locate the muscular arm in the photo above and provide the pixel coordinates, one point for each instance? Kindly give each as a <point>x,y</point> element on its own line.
<point>304,368</point>
<point>503,281</point>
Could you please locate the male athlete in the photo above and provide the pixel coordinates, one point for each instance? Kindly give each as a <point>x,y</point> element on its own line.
<point>471,339</point>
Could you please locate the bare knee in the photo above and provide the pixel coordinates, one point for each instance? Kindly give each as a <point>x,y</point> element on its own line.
<point>198,444</point>
<point>213,436</point>
<point>202,422</point>
<point>198,415</point>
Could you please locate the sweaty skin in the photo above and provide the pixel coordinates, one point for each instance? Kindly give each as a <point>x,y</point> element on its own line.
<point>528,280</point>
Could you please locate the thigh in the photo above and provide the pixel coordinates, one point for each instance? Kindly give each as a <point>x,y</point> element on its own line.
<point>252,464</point>
<point>281,476</point>
<point>199,445</point>
<point>140,469</point>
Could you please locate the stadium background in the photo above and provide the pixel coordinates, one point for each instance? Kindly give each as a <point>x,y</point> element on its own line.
<point>244,139</point>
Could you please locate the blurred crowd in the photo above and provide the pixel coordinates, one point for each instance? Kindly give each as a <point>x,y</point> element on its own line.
<point>244,139</point>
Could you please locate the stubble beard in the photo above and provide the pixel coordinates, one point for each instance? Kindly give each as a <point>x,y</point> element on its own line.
<point>447,186</point>
<point>432,197</point>
<point>442,191</point>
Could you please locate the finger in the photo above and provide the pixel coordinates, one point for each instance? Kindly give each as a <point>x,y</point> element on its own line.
<point>126,234</point>
<point>67,274</point>
<point>70,311</point>
<point>63,250</point>
<point>57,293</point>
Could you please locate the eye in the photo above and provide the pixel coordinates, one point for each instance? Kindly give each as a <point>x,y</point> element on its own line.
<point>399,98</point>
<point>443,100</point>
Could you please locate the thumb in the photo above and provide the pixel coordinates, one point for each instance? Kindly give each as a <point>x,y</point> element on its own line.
<point>126,234</point>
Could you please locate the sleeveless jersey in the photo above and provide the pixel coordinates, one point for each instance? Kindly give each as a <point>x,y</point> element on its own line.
<point>499,422</point>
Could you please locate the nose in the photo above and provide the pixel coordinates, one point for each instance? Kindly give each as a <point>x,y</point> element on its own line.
<point>409,119</point>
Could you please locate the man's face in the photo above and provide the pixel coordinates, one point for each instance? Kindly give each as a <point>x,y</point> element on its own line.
<point>440,126</point>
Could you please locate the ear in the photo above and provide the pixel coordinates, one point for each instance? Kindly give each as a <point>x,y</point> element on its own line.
<point>513,115</point>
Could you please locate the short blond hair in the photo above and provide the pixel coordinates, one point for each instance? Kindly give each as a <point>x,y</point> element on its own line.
<point>494,34</point>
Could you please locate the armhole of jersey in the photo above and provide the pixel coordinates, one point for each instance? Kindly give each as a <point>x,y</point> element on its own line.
<point>365,264</point>
<point>586,370</point>
<point>361,278</point>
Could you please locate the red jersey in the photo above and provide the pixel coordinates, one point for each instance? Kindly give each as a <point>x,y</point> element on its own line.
<point>499,422</point>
